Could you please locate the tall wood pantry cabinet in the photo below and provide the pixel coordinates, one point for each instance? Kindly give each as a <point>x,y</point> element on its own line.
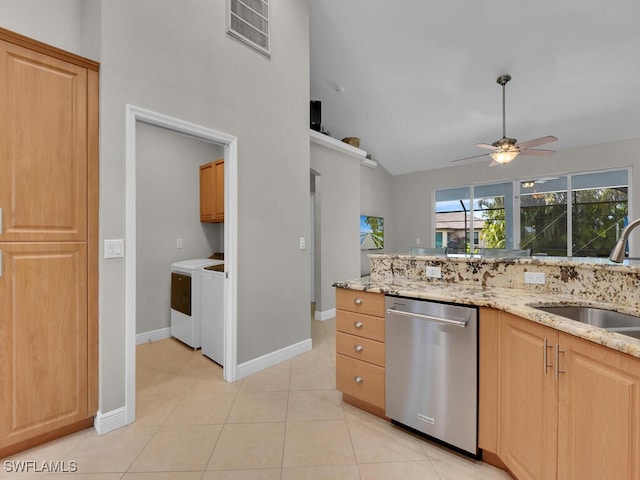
<point>48,242</point>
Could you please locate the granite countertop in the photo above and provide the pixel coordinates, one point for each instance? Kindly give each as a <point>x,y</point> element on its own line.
<point>517,301</point>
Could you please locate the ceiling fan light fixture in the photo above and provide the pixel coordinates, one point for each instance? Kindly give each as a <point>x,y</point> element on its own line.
<point>504,156</point>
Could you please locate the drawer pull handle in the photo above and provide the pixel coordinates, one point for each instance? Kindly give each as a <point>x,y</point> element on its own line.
<point>358,324</point>
<point>358,348</point>
<point>358,301</point>
<point>358,379</point>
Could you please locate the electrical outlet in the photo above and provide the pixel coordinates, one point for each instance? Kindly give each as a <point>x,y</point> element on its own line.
<point>433,272</point>
<point>536,278</point>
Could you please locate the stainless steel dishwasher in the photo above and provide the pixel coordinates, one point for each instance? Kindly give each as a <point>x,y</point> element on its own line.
<point>432,369</point>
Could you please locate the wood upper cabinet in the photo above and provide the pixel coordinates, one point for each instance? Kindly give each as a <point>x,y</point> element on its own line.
<point>48,242</point>
<point>360,349</point>
<point>575,417</point>
<point>212,192</point>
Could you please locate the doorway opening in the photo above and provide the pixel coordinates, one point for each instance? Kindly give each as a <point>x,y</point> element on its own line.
<point>134,116</point>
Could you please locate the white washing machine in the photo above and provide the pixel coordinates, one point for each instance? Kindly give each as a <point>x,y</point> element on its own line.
<point>185,299</point>
<point>212,298</point>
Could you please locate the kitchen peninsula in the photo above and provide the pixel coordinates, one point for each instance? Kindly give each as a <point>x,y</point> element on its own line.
<point>557,398</point>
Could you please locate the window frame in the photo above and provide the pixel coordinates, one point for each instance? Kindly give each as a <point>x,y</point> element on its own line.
<point>517,194</point>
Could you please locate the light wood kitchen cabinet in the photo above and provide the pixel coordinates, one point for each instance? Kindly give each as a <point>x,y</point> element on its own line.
<point>577,416</point>
<point>488,379</point>
<point>360,363</point>
<point>212,192</point>
<point>48,242</point>
<point>528,399</point>
<point>599,412</point>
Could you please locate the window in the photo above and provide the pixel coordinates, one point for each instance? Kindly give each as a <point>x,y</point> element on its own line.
<point>248,21</point>
<point>438,239</point>
<point>495,209</point>
<point>454,224</point>
<point>543,216</point>
<point>483,213</point>
<point>600,208</point>
<point>578,214</point>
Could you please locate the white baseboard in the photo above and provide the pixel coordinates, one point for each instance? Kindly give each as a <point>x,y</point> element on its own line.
<point>107,422</point>
<point>325,315</point>
<point>153,335</point>
<point>270,359</point>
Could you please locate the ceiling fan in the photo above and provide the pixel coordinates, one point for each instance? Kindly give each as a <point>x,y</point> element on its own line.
<point>506,149</point>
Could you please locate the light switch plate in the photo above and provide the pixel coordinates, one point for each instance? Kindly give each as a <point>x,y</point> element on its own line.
<point>114,248</point>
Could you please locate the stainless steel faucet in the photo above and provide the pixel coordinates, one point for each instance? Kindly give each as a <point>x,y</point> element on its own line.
<point>617,253</point>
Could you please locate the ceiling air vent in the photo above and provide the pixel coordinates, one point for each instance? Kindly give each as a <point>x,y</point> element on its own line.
<point>249,22</point>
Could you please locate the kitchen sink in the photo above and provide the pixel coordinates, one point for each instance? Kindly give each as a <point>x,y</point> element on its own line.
<point>608,319</point>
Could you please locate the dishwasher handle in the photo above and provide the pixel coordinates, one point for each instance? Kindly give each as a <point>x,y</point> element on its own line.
<point>429,318</point>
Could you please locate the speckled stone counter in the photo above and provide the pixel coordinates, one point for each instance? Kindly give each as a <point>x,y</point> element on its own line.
<point>499,283</point>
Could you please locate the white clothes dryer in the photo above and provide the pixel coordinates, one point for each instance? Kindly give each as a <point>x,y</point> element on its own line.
<point>212,304</point>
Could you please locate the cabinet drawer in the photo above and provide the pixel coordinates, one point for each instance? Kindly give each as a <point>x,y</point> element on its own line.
<point>361,380</point>
<point>368,303</point>
<point>360,325</point>
<point>361,348</point>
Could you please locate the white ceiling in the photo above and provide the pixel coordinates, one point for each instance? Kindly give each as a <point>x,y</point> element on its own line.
<point>418,78</point>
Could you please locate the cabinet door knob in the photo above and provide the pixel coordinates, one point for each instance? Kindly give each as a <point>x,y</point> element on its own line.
<point>358,379</point>
<point>358,348</point>
<point>357,324</point>
<point>358,301</point>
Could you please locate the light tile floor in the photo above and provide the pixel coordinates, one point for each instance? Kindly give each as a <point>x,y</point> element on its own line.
<point>285,423</point>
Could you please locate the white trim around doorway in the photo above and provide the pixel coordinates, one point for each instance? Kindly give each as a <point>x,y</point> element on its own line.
<point>136,114</point>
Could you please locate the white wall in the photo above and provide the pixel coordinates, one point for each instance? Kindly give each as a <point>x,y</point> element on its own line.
<point>375,200</point>
<point>413,193</point>
<point>337,216</point>
<point>175,58</point>
<point>58,23</point>
<point>168,208</point>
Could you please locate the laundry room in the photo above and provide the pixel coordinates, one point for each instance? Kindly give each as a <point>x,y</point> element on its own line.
<point>168,225</point>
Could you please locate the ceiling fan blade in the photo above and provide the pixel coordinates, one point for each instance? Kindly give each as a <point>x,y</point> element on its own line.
<point>537,141</point>
<point>537,152</point>
<point>494,163</point>
<point>485,145</point>
<point>469,158</point>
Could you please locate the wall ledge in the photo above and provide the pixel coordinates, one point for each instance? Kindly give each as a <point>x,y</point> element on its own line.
<point>337,145</point>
